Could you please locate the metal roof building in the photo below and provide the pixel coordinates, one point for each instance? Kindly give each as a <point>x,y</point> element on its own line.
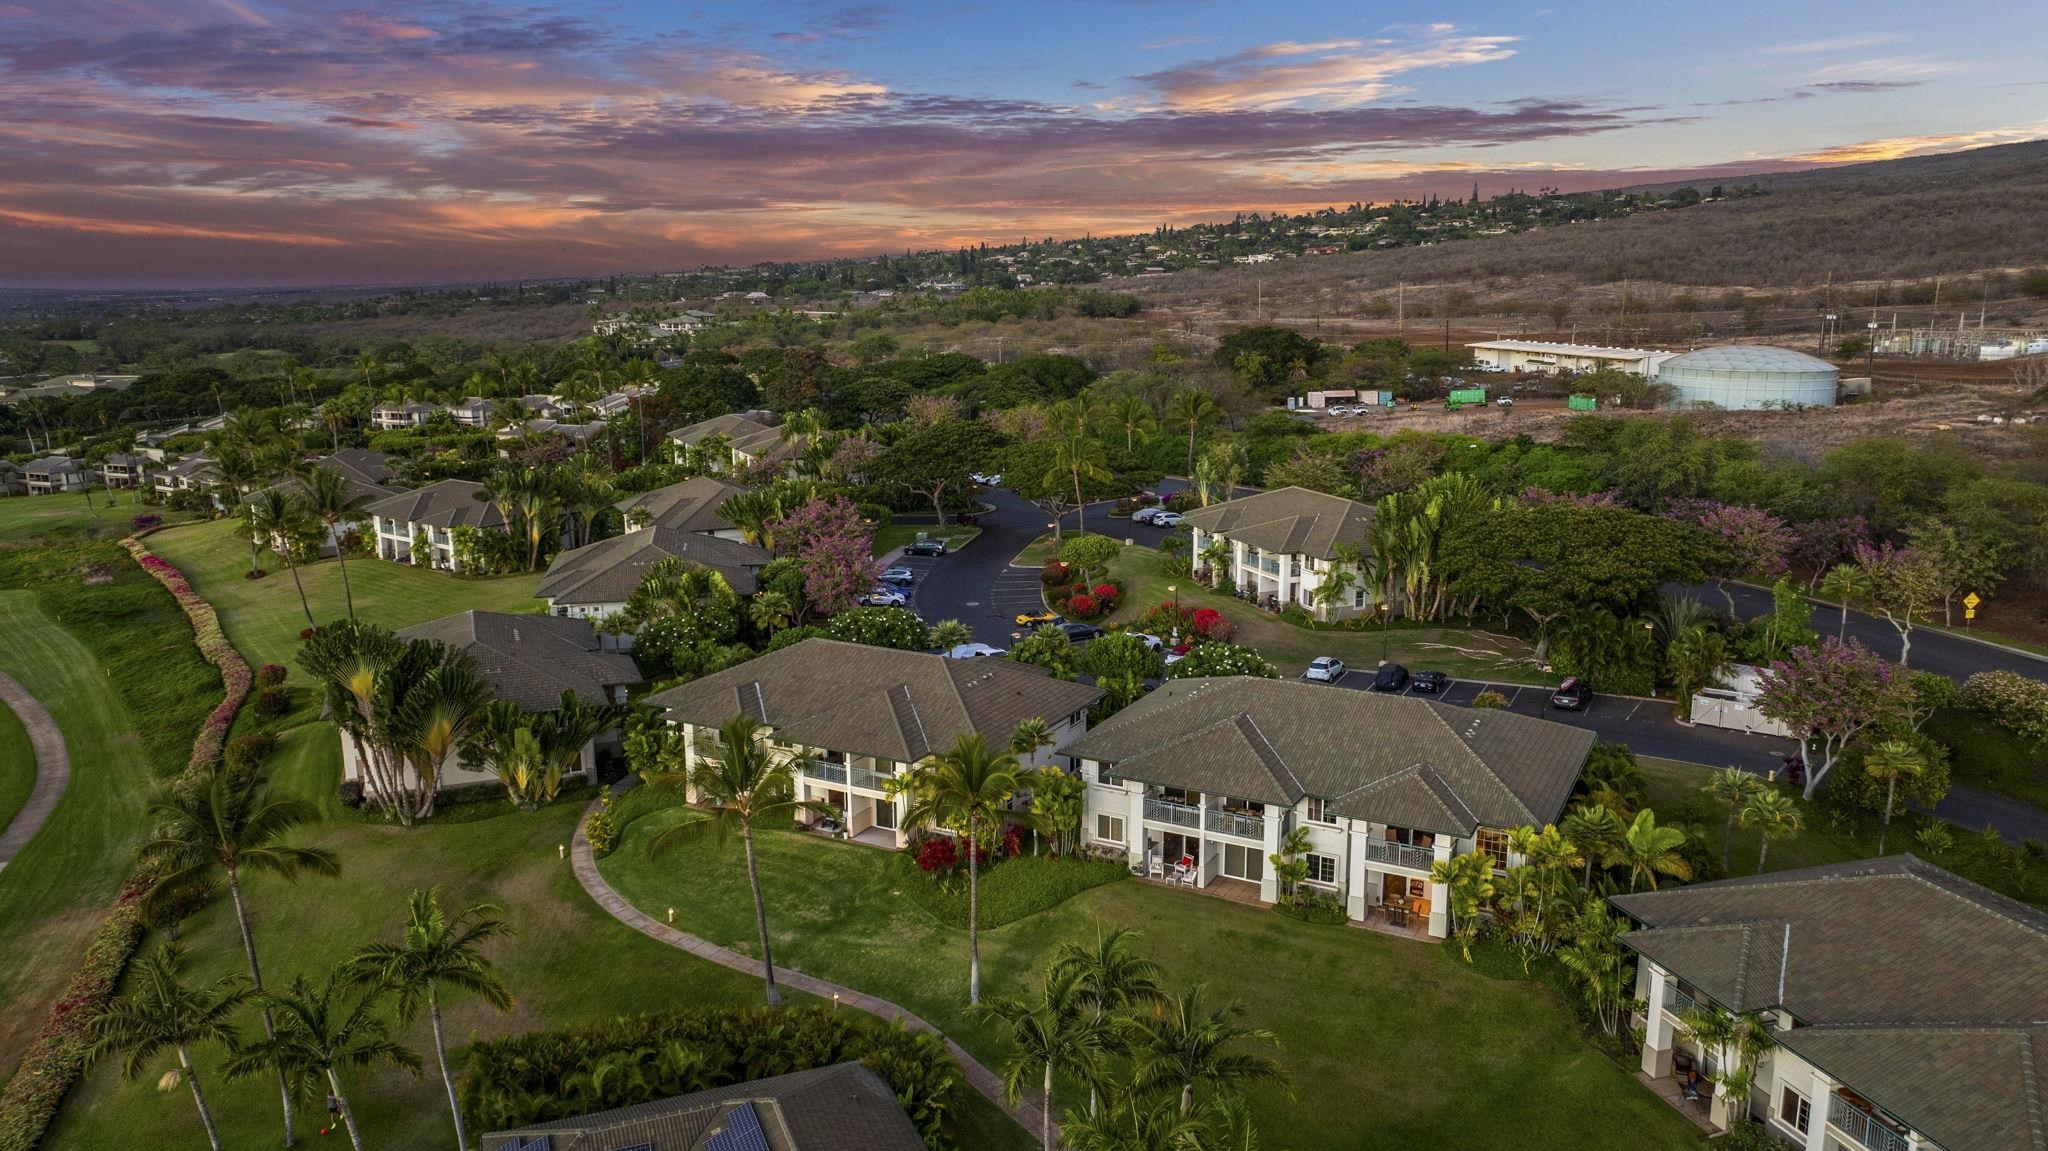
<point>1543,356</point>
<point>1747,377</point>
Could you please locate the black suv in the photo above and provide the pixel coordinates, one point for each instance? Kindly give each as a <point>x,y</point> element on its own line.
<point>1433,682</point>
<point>1079,632</point>
<point>1572,695</point>
<point>1390,677</point>
<point>925,548</point>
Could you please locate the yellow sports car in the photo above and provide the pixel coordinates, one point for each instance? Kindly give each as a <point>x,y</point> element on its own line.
<point>1028,618</point>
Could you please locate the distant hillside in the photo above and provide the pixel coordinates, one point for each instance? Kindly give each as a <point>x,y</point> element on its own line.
<point>1949,214</point>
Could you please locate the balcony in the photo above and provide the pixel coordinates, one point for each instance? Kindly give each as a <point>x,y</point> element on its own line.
<point>1678,1002</point>
<point>1399,854</point>
<point>1177,814</point>
<point>868,777</point>
<point>1233,823</point>
<point>825,772</point>
<point>1866,1129</point>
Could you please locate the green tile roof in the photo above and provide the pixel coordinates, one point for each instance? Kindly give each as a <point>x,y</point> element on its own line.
<point>1289,521</point>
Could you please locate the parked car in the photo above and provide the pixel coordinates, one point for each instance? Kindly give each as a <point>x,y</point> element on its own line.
<point>1390,677</point>
<point>901,577</point>
<point>1151,642</point>
<point>1034,618</point>
<point>1147,515</point>
<point>974,651</point>
<point>1324,669</point>
<point>883,597</point>
<point>1079,632</point>
<point>1433,682</point>
<point>1572,695</point>
<point>987,481</point>
<point>1167,520</point>
<point>925,547</point>
<point>1505,402</point>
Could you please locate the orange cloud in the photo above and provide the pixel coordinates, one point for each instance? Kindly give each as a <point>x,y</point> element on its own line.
<point>104,227</point>
<point>1331,73</point>
<point>1897,147</point>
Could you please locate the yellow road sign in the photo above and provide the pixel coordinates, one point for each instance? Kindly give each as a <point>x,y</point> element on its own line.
<point>1969,613</point>
<point>1971,601</point>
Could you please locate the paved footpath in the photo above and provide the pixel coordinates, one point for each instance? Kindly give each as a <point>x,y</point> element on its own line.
<point>1026,1112</point>
<point>53,768</point>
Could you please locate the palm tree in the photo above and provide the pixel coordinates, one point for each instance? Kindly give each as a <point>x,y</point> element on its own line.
<point>1076,456</point>
<point>1057,1035</point>
<point>275,514</point>
<point>1194,409</point>
<point>438,952</point>
<point>1185,1046</point>
<point>1695,660</point>
<point>1131,413</point>
<point>1030,734</point>
<point>965,791</point>
<point>1138,1123</point>
<point>1113,978</point>
<point>1734,787</point>
<point>1596,831</point>
<point>229,823</point>
<point>769,610</point>
<point>1596,957</point>
<point>1844,582</point>
<point>1649,851</point>
<point>948,634</point>
<point>320,1036</point>
<point>329,499</point>
<point>1772,813</point>
<point>1888,761</point>
<point>745,784</point>
<point>369,365</point>
<point>161,1012</point>
<point>1468,880</point>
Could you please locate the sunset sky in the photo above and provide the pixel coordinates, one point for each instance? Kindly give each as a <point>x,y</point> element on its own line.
<point>245,142</point>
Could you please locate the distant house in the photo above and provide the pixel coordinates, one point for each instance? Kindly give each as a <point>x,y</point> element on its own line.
<point>528,660</point>
<point>162,436</point>
<point>11,483</point>
<point>578,434</point>
<point>1283,545</point>
<point>749,440</point>
<point>863,715</point>
<point>52,475</point>
<point>594,581</point>
<point>389,417</point>
<point>193,473</point>
<point>122,470</point>
<point>690,506</point>
<point>612,403</point>
<point>368,473</point>
<point>1908,1007</point>
<point>843,1107</point>
<point>474,412</point>
<point>428,516</point>
<point>546,404</point>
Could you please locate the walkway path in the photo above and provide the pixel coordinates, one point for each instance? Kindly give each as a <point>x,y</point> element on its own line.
<point>1026,1112</point>
<point>53,768</point>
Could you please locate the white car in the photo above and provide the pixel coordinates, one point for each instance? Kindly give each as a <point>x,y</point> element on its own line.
<point>1167,520</point>
<point>1152,642</point>
<point>1505,402</point>
<point>992,481</point>
<point>1324,669</point>
<point>884,597</point>
<point>1146,515</point>
<point>974,651</point>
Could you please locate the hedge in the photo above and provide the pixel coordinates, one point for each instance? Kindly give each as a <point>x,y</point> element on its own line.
<point>2010,700</point>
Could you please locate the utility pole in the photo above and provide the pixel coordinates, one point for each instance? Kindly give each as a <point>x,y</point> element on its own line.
<point>1401,305</point>
<point>1447,333</point>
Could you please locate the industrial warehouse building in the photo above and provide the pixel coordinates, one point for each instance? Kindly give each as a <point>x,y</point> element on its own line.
<point>1540,356</point>
<point>1747,377</point>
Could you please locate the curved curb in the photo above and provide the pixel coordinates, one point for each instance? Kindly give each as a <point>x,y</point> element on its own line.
<point>584,862</point>
<point>53,767</point>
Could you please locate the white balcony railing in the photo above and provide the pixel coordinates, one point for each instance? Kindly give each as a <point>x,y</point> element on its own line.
<point>1866,1129</point>
<point>1177,814</point>
<point>1678,1001</point>
<point>867,777</point>
<point>827,772</point>
<point>1233,823</point>
<point>1399,854</point>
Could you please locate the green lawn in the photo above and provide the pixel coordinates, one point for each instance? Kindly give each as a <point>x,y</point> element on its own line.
<point>1392,1043</point>
<point>21,516</point>
<point>17,766</point>
<point>894,536</point>
<point>1987,756</point>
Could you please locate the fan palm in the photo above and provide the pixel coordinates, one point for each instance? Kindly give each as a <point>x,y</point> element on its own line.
<point>329,499</point>
<point>1732,786</point>
<point>965,791</point>
<point>161,1012</point>
<point>770,610</point>
<point>275,515</point>
<point>1186,1045</point>
<point>1775,815</point>
<point>438,952</point>
<point>228,824</point>
<point>744,785</point>
<point>1648,851</point>
<point>321,1034</point>
<point>1059,1034</point>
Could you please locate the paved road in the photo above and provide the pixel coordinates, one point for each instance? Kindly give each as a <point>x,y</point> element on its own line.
<point>53,768</point>
<point>1952,655</point>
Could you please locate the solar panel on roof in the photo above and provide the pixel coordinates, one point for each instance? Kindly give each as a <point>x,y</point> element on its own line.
<point>540,1143</point>
<point>742,1132</point>
<point>636,1147</point>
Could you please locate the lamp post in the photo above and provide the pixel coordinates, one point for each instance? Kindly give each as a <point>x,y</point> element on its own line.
<point>1174,591</point>
<point>1386,620</point>
<point>1870,354</point>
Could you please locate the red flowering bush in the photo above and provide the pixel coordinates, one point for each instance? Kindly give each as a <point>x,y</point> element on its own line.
<point>143,523</point>
<point>1082,604</point>
<point>270,675</point>
<point>1013,841</point>
<point>1054,572</point>
<point>938,854</point>
<point>1107,591</point>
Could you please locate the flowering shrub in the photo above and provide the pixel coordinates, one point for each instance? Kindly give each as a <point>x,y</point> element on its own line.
<point>938,854</point>
<point>270,675</point>
<point>213,644</point>
<point>1083,605</point>
<point>143,523</point>
<point>1013,840</point>
<point>1107,591</point>
<point>2010,700</point>
<point>272,702</point>
<point>1054,572</point>
<point>601,829</point>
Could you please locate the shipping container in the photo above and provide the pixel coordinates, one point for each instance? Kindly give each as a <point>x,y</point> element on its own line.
<point>1582,403</point>
<point>1468,395</point>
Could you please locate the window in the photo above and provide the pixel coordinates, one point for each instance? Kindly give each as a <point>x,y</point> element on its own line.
<point>1109,828</point>
<point>1493,841</point>
<point>1241,862</point>
<point>1319,811</point>
<point>1794,1111</point>
<point>1322,869</point>
<point>1358,597</point>
<point>1106,775</point>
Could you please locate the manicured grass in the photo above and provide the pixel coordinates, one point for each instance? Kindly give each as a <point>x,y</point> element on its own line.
<point>1987,756</point>
<point>21,516</point>
<point>17,766</point>
<point>263,617</point>
<point>1392,1043</point>
<point>1829,837</point>
<point>894,536</point>
<point>1018,888</point>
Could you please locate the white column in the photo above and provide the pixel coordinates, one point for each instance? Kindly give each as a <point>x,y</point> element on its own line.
<point>1354,872</point>
<point>1656,1027</point>
<point>1439,895</point>
<point>1134,822</point>
<point>1820,1098</point>
<point>1269,884</point>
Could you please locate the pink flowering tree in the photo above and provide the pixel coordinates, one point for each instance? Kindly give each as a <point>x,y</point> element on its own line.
<point>834,549</point>
<point>1900,583</point>
<point>1821,544</point>
<point>1755,542</point>
<point>1829,694</point>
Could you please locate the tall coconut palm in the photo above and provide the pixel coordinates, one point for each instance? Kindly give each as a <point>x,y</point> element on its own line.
<point>747,784</point>
<point>1186,1045</point>
<point>1193,409</point>
<point>1775,815</point>
<point>1732,786</point>
<point>1058,1034</point>
<point>1889,761</point>
<point>438,952</point>
<point>1131,413</point>
<point>1139,1123</point>
<point>1113,978</point>
<point>321,1033</point>
<point>276,515</point>
<point>228,824</point>
<point>330,499</point>
<point>1649,851</point>
<point>1077,456</point>
<point>966,791</point>
<point>1843,583</point>
<point>160,1012</point>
